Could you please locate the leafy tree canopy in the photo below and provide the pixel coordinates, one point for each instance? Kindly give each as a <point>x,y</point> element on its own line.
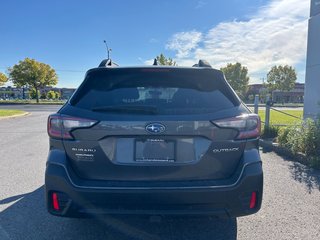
<point>32,73</point>
<point>281,78</point>
<point>3,79</point>
<point>162,60</point>
<point>237,76</point>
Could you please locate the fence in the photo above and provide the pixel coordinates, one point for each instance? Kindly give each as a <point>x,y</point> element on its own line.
<point>268,108</point>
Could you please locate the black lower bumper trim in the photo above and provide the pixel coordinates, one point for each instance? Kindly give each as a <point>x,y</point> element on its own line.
<point>230,201</point>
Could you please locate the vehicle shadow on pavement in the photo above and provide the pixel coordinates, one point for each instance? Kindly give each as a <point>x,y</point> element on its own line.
<point>28,219</point>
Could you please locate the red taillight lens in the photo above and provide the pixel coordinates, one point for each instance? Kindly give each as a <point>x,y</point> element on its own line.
<point>60,126</point>
<point>55,126</point>
<point>248,125</point>
<point>253,200</point>
<point>55,202</point>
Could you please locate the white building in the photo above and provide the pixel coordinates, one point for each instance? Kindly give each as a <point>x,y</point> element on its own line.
<point>312,87</point>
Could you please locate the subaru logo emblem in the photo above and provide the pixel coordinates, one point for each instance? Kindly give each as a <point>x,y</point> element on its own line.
<point>155,128</point>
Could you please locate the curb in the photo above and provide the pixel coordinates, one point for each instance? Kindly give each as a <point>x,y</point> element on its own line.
<point>282,151</point>
<point>26,103</point>
<point>16,115</point>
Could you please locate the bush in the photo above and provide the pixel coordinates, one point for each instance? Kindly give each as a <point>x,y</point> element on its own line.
<point>303,137</point>
<point>43,96</point>
<point>315,162</point>
<point>283,136</point>
<point>270,132</point>
<point>53,95</point>
<point>311,138</point>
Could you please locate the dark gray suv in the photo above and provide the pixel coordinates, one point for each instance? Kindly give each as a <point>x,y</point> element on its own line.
<point>154,140</point>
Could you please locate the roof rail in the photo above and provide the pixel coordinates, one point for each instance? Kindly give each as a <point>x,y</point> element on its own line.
<point>202,63</point>
<point>108,63</point>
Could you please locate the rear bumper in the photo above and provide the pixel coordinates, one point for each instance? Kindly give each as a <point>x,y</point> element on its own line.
<point>83,198</point>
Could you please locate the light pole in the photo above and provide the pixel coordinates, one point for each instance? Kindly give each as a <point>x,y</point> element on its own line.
<point>108,49</point>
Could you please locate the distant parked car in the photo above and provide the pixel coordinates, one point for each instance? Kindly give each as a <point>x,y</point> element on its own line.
<point>154,140</point>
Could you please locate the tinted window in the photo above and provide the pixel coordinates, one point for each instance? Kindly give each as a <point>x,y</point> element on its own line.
<point>169,91</point>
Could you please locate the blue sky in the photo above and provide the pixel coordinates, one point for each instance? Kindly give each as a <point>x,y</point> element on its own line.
<point>69,35</point>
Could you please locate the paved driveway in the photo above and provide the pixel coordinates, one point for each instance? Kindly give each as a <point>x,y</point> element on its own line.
<point>291,206</point>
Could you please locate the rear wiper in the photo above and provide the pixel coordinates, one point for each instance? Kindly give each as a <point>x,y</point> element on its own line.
<point>127,108</point>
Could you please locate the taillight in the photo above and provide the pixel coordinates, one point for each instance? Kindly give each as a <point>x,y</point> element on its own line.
<point>248,125</point>
<point>60,126</point>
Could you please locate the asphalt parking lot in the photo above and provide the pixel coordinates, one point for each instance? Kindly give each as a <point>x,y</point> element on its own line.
<point>291,206</point>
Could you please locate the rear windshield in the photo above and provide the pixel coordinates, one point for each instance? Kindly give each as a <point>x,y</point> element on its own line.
<point>167,91</point>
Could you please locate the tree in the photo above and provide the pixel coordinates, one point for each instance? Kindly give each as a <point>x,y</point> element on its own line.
<point>281,78</point>
<point>58,95</point>
<point>53,95</point>
<point>162,60</point>
<point>43,95</point>
<point>237,76</point>
<point>34,74</point>
<point>3,79</point>
<point>33,94</point>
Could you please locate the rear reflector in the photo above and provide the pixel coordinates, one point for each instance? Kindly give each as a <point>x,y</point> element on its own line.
<point>55,202</point>
<point>253,200</point>
<point>60,126</point>
<point>248,125</point>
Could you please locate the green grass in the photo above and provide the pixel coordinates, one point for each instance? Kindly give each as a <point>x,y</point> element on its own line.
<point>31,101</point>
<point>9,112</point>
<point>279,118</point>
<point>288,105</point>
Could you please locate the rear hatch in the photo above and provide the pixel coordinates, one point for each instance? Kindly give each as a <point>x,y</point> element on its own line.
<point>154,124</point>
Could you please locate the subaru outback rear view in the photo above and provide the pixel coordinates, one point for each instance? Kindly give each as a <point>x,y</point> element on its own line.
<point>154,140</point>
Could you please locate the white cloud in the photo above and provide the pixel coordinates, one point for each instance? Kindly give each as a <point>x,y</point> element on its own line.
<point>153,40</point>
<point>184,42</point>
<point>201,4</point>
<point>276,34</point>
<point>149,61</point>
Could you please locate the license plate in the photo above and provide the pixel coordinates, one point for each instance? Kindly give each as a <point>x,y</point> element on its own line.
<point>155,150</point>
